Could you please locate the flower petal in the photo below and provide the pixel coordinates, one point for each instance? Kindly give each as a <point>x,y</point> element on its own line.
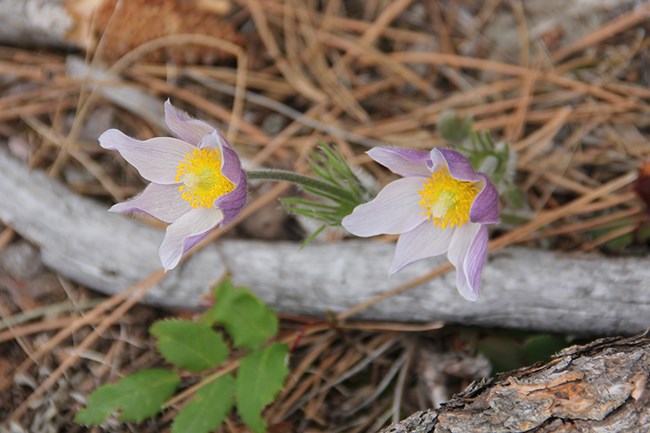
<point>230,163</point>
<point>155,159</point>
<point>459,167</point>
<point>467,252</point>
<point>194,223</point>
<point>426,240</point>
<point>163,202</point>
<point>475,259</point>
<point>405,162</point>
<point>485,209</point>
<point>213,140</point>
<point>184,126</point>
<point>233,202</point>
<point>395,210</point>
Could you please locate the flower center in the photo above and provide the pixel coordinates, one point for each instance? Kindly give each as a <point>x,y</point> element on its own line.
<point>201,179</point>
<point>447,201</point>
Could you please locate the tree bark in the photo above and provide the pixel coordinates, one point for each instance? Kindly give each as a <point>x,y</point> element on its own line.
<point>603,386</point>
<point>523,288</point>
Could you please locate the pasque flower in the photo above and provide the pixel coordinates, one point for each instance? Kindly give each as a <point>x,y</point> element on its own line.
<point>197,182</point>
<point>440,205</point>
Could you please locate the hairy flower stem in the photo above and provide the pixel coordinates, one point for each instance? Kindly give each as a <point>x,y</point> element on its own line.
<point>307,182</point>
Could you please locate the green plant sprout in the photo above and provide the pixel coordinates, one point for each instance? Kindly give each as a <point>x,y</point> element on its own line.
<point>198,348</point>
<point>336,188</point>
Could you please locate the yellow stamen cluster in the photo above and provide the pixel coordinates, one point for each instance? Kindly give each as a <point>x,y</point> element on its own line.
<point>200,178</point>
<point>447,201</point>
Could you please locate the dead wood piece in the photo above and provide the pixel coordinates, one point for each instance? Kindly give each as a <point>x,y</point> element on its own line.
<point>523,288</point>
<point>45,22</point>
<point>603,386</point>
<point>127,25</point>
<point>121,26</point>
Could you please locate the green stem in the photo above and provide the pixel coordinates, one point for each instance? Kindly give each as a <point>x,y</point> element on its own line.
<point>305,181</point>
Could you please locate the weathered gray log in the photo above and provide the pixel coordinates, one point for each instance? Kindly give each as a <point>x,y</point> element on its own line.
<point>523,288</point>
<point>600,387</point>
<point>58,23</point>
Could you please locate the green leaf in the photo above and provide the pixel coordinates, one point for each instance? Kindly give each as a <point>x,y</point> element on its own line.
<point>248,320</point>
<point>516,198</point>
<point>541,347</point>
<point>189,345</point>
<point>101,404</point>
<point>138,396</point>
<point>209,316</point>
<point>332,204</point>
<point>209,407</point>
<point>502,351</point>
<point>259,378</point>
<point>453,128</point>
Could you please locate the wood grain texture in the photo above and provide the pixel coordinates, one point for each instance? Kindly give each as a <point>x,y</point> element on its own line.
<point>600,387</point>
<point>523,288</point>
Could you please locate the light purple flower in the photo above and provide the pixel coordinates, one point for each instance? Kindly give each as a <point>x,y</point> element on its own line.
<point>197,182</point>
<point>440,205</point>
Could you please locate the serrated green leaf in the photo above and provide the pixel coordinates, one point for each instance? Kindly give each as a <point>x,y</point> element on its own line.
<point>189,345</point>
<point>138,397</point>
<point>260,377</point>
<point>101,404</point>
<point>248,320</point>
<point>209,407</point>
<point>208,317</point>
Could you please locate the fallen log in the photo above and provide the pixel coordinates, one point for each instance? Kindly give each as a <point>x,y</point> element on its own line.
<point>523,288</point>
<point>47,22</point>
<point>120,25</point>
<point>603,386</point>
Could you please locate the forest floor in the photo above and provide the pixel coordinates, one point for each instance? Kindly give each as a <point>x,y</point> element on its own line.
<point>567,85</point>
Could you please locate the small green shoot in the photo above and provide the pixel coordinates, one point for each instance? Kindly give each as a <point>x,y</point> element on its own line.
<point>208,409</point>
<point>198,347</point>
<point>330,167</point>
<point>188,345</point>
<point>259,379</point>
<point>248,320</point>
<point>136,397</point>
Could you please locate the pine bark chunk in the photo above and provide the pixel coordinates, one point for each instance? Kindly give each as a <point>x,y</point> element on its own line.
<point>603,386</point>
